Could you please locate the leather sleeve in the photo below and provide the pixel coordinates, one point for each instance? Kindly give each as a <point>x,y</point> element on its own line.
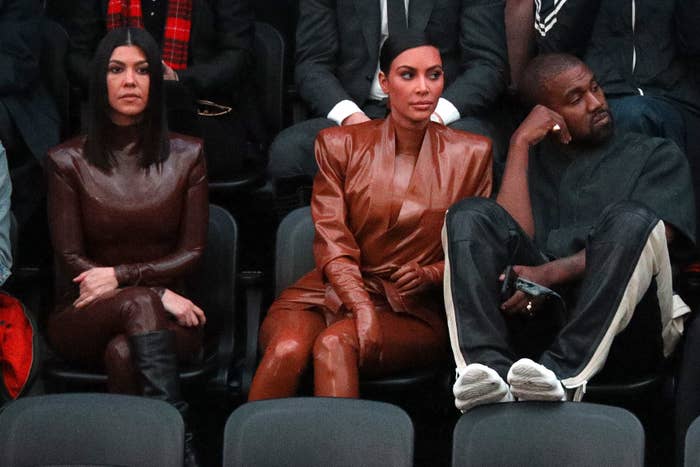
<point>482,40</point>
<point>317,49</point>
<point>233,43</point>
<point>193,236</point>
<point>65,218</point>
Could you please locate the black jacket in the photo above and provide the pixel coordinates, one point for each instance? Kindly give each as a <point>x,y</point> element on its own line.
<point>220,47</point>
<point>338,49</point>
<point>650,53</point>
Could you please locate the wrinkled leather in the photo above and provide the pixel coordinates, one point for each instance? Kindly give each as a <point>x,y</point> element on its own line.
<point>149,223</point>
<point>352,210</point>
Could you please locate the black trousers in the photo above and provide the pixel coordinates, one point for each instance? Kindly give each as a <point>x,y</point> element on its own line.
<point>481,239</point>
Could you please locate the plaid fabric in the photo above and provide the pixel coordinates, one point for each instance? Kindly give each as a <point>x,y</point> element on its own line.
<point>176,38</point>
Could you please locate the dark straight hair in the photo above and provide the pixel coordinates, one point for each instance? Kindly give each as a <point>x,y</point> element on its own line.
<point>153,128</point>
<point>397,43</point>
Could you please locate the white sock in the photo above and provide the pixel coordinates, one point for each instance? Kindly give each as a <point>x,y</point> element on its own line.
<point>478,385</point>
<point>530,381</point>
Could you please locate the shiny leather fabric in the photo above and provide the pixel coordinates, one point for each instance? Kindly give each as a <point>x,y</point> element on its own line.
<point>150,224</point>
<point>355,215</point>
<point>370,221</point>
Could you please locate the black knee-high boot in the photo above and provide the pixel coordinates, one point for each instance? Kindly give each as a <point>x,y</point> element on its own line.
<point>155,359</point>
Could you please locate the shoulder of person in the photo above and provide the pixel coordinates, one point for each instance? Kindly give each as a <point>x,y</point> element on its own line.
<point>473,142</point>
<point>360,131</point>
<point>63,156</point>
<point>639,145</point>
<point>185,145</point>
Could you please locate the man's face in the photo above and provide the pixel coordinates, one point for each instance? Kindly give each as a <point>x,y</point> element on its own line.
<point>575,95</point>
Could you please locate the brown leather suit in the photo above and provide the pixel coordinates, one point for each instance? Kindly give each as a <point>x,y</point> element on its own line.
<point>149,223</point>
<point>374,212</point>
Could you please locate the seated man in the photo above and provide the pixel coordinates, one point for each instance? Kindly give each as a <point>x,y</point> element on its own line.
<point>640,52</point>
<point>337,69</point>
<point>584,210</point>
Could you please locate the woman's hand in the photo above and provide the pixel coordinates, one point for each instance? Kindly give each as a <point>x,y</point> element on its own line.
<point>185,312</point>
<point>369,333</point>
<point>94,283</point>
<point>412,278</point>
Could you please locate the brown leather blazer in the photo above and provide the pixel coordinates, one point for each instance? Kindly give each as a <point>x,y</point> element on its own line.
<point>149,223</point>
<point>352,201</point>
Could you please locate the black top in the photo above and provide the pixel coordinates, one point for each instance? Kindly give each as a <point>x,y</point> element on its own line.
<point>570,187</point>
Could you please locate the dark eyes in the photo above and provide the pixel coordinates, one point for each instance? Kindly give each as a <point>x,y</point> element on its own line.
<point>433,75</point>
<point>116,69</point>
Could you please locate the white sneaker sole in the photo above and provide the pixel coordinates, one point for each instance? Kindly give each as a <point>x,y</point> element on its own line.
<point>531,381</point>
<point>479,385</point>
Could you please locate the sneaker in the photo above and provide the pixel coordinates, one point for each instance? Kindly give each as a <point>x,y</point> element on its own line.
<point>479,385</point>
<point>530,381</point>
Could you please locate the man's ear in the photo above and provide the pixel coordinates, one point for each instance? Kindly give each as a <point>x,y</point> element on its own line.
<point>383,82</point>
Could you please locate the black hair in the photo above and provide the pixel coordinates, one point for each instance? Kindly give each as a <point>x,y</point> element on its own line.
<point>532,87</point>
<point>153,127</point>
<point>397,43</point>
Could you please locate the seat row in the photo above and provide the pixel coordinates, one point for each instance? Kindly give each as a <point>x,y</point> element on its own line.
<point>107,429</point>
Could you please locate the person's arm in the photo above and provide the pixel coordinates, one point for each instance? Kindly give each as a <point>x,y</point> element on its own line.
<point>483,67</point>
<point>520,36</point>
<point>20,46</point>
<point>335,248</point>
<point>317,49</point>
<point>514,195</point>
<point>86,28</point>
<point>65,218</point>
<point>232,61</point>
<point>192,236</point>
<point>551,274</point>
<point>564,26</point>
<point>5,218</point>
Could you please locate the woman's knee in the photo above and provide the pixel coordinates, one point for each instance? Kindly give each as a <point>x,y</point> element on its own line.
<point>289,351</point>
<point>335,343</point>
<point>142,310</point>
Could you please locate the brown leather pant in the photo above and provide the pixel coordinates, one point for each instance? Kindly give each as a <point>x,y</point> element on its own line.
<point>97,335</point>
<point>290,337</point>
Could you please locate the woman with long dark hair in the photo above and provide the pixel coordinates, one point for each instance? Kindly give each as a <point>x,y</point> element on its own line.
<point>128,217</point>
<point>373,305</point>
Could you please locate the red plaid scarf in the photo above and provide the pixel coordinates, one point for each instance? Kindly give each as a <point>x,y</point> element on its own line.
<point>123,13</point>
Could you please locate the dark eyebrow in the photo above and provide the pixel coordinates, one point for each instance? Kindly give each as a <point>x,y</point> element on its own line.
<point>119,62</point>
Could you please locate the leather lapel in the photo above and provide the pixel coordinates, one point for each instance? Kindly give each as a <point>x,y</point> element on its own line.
<point>419,13</point>
<point>368,14</point>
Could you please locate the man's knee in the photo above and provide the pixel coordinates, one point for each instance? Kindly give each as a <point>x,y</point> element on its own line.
<point>625,219</point>
<point>292,151</point>
<point>470,214</point>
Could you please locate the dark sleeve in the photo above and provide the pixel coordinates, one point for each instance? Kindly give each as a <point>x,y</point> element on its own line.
<point>564,26</point>
<point>665,186</point>
<point>484,52</point>
<point>65,216</point>
<point>20,46</point>
<point>192,238</point>
<point>233,24</point>
<point>86,28</point>
<point>316,56</point>
<point>687,21</point>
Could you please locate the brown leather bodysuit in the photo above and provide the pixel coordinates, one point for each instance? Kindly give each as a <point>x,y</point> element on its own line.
<point>370,222</point>
<point>149,223</point>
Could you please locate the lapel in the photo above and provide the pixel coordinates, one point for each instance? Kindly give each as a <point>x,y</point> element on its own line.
<point>419,13</point>
<point>382,174</point>
<point>369,15</point>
